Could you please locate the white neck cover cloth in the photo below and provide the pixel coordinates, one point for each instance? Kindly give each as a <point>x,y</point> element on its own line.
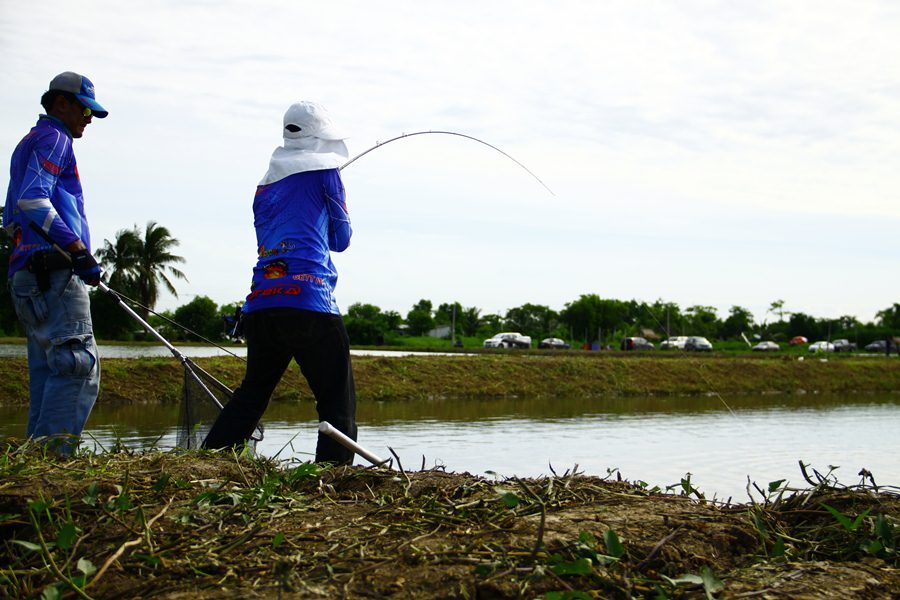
<point>300,154</point>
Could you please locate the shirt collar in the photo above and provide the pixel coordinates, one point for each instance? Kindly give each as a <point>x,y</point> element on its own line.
<point>56,123</point>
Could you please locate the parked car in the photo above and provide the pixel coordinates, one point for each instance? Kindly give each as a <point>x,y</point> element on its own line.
<point>553,343</point>
<point>844,346</point>
<point>698,344</point>
<point>636,343</point>
<point>766,347</point>
<point>821,347</point>
<point>798,340</point>
<point>879,346</point>
<point>677,341</point>
<point>509,339</point>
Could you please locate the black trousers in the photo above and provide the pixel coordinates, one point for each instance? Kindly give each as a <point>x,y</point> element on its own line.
<point>319,344</point>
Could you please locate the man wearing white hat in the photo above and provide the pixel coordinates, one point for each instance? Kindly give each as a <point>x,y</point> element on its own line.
<point>300,214</point>
<point>45,208</point>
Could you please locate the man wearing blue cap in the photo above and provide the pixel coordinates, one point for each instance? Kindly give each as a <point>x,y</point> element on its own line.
<point>45,208</point>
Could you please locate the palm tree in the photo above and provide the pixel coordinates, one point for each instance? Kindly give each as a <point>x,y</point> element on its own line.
<point>120,260</point>
<point>155,260</point>
<point>139,265</point>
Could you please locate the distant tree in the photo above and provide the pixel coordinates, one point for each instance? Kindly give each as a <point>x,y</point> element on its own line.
<point>137,266</point>
<point>668,317</point>
<point>777,307</point>
<point>366,324</point>
<point>110,321</point>
<point>120,261</point>
<point>591,314</point>
<point>583,316</point>
<point>490,324</point>
<point>533,319</point>
<point>702,320</point>
<point>420,319</point>
<point>805,325</point>
<point>740,320</point>
<point>889,317</point>
<point>470,321</point>
<point>155,262</point>
<point>200,315</point>
<point>444,315</point>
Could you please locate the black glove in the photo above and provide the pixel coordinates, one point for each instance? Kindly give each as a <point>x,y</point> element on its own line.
<point>86,267</point>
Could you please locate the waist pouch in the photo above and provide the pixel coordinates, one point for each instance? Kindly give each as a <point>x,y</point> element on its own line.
<point>43,262</point>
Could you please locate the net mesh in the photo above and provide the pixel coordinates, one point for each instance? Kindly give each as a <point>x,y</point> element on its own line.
<point>202,399</point>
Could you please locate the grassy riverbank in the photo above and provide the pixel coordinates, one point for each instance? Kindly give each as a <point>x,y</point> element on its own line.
<point>212,525</point>
<point>510,375</point>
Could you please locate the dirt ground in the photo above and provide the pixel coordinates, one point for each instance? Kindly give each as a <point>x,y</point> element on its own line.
<point>214,525</point>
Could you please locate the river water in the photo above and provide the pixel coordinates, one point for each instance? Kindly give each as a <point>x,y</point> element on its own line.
<point>657,439</point>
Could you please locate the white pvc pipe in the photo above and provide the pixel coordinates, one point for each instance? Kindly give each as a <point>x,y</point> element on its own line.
<point>338,436</point>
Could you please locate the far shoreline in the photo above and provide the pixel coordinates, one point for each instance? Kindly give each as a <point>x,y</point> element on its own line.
<point>509,374</point>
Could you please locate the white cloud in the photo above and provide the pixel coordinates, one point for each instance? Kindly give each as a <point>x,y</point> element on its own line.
<point>675,135</point>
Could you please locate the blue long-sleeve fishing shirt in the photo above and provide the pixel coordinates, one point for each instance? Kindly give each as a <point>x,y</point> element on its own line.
<point>44,189</point>
<point>299,221</point>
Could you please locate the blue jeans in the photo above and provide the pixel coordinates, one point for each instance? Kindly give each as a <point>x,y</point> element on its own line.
<point>63,362</point>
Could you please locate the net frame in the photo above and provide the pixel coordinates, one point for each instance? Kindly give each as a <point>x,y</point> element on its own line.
<point>202,399</point>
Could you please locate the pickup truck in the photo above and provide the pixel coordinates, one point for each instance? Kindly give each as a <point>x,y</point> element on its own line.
<point>508,339</point>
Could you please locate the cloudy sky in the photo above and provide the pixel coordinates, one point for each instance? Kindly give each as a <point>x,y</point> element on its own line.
<point>714,153</point>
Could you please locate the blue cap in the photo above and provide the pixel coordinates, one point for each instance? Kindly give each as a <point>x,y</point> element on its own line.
<point>82,88</point>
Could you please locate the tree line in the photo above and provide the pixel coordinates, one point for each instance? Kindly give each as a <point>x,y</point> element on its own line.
<point>605,321</point>
<point>141,263</point>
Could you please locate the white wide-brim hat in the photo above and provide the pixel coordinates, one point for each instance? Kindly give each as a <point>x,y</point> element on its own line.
<point>308,119</point>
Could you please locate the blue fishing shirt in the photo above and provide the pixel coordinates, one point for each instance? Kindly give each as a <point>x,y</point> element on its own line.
<point>299,221</point>
<point>44,189</point>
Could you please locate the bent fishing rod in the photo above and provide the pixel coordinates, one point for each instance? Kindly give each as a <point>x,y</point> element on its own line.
<point>119,296</point>
<point>439,132</point>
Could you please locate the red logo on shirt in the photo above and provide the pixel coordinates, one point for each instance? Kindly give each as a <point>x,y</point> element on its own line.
<point>52,168</point>
<point>279,290</point>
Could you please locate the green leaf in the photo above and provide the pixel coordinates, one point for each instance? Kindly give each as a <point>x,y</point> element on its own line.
<point>872,547</point>
<point>778,548</point>
<point>847,523</point>
<point>567,595</point>
<point>38,505</point>
<point>67,535</point>
<point>153,561</point>
<point>587,538</point>
<point>884,531</point>
<point>304,471</point>
<point>774,485</point>
<point>711,583</point>
<point>858,521</point>
<point>582,566</point>
<point>90,497</point>
<point>51,592</point>
<point>86,567</point>
<point>28,545</point>
<point>123,502</point>
<point>278,540</point>
<point>613,546</point>
<point>485,568</point>
<point>161,483</point>
<point>510,499</point>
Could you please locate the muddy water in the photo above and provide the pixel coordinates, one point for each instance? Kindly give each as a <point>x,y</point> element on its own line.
<point>657,440</point>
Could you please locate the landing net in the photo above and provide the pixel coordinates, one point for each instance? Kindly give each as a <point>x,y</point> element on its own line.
<point>202,399</point>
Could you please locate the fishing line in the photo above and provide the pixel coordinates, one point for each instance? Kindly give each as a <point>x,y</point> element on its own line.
<point>175,323</point>
<point>696,366</point>
<point>344,166</point>
<point>462,135</point>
